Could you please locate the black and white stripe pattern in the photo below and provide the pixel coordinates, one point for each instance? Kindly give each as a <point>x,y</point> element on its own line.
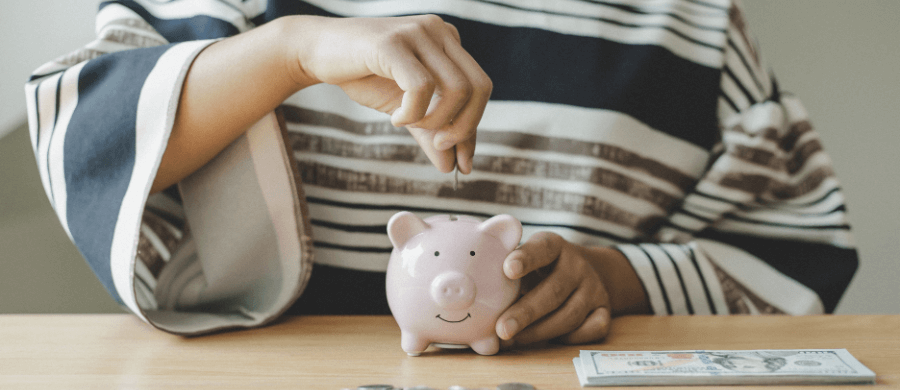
<point>694,36</point>
<point>162,234</point>
<point>592,188</point>
<point>651,125</point>
<point>770,179</point>
<point>678,278</point>
<point>588,191</point>
<point>757,186</point>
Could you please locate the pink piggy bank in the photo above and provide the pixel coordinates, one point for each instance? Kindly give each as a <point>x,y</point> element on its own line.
<point>445,280</point>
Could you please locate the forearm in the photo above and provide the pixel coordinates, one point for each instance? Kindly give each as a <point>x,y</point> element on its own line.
<point>394,65</point>
<point>231,85</point>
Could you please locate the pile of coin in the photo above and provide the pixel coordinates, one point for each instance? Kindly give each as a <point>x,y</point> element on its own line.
<point>505,386</point>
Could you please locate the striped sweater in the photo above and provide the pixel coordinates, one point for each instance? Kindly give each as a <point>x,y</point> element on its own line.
<point>649,125</point>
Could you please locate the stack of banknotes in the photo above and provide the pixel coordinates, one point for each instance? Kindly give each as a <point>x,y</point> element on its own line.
<point>726,367</point>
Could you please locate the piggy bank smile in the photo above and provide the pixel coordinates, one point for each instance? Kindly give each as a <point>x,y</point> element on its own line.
<point>450,268</point>
<point>468,315</point>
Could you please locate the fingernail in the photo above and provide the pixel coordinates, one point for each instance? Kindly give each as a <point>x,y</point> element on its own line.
<point>443,141</point>
<point>510,327</point>
<point>465,165</point>
<point>444,144</point>
<point>397,119</point>
<point>514,268</point>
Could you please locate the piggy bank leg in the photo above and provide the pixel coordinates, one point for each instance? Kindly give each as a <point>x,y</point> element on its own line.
<point>412,343</point>
<point>489,345</point>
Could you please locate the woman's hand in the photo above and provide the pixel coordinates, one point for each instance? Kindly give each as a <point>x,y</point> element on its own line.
<point>412,68</point>
<point>571,291</point>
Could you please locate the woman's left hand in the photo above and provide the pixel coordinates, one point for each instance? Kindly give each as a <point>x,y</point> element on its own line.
<point>567,291</point>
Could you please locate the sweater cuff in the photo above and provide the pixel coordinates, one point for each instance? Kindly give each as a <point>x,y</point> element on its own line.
<point>678,279</point>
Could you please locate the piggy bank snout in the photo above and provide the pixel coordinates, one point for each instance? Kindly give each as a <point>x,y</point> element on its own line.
<point>453,290</point>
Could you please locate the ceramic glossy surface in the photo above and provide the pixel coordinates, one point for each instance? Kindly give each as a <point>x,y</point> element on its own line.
<point>445,281</point>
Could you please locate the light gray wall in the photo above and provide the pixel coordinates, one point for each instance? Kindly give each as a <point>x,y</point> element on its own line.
<point>841,58</point>
<point>31,33</point>
<point>838,56</point>
<point>40,270</point>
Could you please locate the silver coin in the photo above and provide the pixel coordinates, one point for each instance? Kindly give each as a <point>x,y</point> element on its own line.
<point>467,388</point>
<point>515,386</point>
<point>375,387</point>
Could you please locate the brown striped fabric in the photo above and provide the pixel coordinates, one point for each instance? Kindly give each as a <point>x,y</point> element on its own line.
<point>505,165</point>
<point>761,157</point>
<point>479,190</point>
<point>310,143</point>
<point>555,170</point>
<point>759,184</point>
<point>739,297</point>
<point>801,154</point>
<point>769,133</point>
<point>797,130</point>
<point>606,152</point>
<point>810,182</point>
<point>129,38</point>
<point>300,115</point>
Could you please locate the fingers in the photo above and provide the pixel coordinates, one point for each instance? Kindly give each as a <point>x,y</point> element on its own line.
<point>577,320</point>
<point>540,250</point>
<point>453,88</point>
<point>466,121</point>
<point>453,31</point>
<point>465,125</point>
<point>414,79</point>
<point>443,160</point>
<point>570,304</point>
<point>446,91</point>
<point>437,86</point>
<point>465,151</point>
<point>549,295</point>
<point>595,327</point>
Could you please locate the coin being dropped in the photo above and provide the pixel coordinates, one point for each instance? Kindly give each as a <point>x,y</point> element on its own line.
<point>456,178</point>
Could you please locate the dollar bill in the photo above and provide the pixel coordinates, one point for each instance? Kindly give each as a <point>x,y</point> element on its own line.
<point>724,367</point>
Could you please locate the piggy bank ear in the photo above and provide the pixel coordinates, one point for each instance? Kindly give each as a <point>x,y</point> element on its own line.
<point>402,226</point>
<point>505,228</point>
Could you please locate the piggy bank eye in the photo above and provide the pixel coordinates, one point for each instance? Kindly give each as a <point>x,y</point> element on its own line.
<point>436,253</point>
<point>472,253</point>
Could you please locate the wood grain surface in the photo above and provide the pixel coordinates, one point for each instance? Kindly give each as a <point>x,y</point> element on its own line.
<point>112,351</point>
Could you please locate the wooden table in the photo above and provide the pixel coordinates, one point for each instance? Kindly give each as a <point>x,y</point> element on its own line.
<point>119,352</point>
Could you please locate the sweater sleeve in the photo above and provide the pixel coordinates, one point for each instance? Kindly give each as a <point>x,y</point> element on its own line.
<point>765,229</point>
<point>100,120</point>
